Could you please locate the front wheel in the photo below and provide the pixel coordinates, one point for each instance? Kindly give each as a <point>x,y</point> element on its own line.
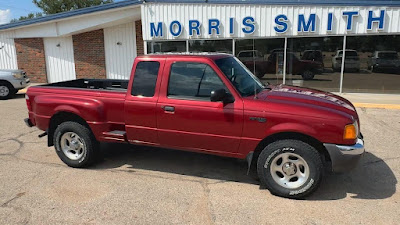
<point>308,75</point>
<point>290,168</point>
<point>6,90</point>
<point>75,144</point>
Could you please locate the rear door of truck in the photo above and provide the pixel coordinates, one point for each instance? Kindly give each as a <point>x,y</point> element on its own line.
<point>141,101</point>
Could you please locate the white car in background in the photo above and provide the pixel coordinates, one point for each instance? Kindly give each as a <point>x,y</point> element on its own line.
<point>11,81</point>
<point>351,62</point>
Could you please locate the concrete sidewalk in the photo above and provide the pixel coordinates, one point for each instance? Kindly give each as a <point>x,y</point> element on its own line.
<point>363,100</point>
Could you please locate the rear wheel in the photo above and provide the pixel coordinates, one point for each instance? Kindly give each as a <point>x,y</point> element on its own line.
<point>290,168</point>
<point>308,75</point>
<point>6,90</point>
<point>75,144</point>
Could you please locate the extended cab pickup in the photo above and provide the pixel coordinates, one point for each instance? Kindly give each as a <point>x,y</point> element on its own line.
<point>207,103</point>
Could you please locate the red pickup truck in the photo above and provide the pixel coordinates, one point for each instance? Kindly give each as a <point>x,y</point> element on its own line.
<point>209,103</point>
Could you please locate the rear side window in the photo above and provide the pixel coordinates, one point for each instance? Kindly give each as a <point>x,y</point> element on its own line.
<point>193,81</point>
<point>144,81</point>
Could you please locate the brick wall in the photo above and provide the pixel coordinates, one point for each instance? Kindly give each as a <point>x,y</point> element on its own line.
<point>139,38</point>
<point>31,58</point>
<point>89,54</point>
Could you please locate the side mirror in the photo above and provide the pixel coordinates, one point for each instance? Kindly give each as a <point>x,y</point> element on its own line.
<point>221,95</point>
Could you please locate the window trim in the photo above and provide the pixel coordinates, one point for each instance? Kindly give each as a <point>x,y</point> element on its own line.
<point>191,98</point>
<point>155,84</point>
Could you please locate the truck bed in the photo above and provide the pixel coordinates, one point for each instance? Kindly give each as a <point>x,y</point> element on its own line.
<point>95,84</point>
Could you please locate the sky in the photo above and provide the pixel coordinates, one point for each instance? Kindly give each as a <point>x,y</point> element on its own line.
<point>10,9</point>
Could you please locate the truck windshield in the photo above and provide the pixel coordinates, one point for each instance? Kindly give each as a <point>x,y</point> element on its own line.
<point>244,81</point>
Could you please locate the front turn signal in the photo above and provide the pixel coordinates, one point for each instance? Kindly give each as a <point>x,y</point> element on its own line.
<point>350,132</point>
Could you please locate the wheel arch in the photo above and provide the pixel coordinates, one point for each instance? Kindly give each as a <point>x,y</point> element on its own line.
<point>61,117</point>
<point>294,136</point>
<point>7,82</point>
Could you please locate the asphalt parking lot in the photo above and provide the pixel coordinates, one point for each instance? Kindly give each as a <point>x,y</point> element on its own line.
<point>138,185</point>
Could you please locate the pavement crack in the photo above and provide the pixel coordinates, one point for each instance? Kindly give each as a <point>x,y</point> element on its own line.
<point>23,213</point>
<point>207,203</point>
<point>19,195</point>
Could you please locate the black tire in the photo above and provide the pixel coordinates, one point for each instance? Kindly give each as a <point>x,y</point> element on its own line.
<point>89,141</point>
<point>308,75</point>
<point>278,149</point>
<point>11,90</point>
<point>259,74</point>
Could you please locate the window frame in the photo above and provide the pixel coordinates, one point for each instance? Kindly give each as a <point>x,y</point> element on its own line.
<point>192,98</point>
<point>156,81</point>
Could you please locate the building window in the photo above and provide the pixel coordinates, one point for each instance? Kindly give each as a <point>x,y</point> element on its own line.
<point>166,46</point>
<point>144,81</point>
<point>259,56</point>
<point>193,81</point>
<point>313,62</point>
<point>372,64</point>
<point>221,46</point>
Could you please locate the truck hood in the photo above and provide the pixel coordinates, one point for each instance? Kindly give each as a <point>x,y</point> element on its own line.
<point>308,96</point>
<point>10,71</point>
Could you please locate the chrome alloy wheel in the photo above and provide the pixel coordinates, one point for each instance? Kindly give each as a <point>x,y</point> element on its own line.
<point>72,145</point>
<point>289,170</point>
<point>4,91</point>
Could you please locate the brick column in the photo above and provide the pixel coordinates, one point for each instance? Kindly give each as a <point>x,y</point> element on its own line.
<point>139,38</point>
<point>89,54</point>
<point>31,58</point>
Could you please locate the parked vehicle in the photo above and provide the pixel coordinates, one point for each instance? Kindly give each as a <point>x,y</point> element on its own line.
<point>384,61</point>
<point>295,66</point>
<point>11,81</point>
<point>351,62</point>
<point>313,55</point>
<point>255,62</point>
<point>250,55</point>
<point>306,68</point>
<point>208,103</point>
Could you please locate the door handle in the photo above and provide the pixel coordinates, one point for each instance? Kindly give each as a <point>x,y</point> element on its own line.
<point>169,108</point>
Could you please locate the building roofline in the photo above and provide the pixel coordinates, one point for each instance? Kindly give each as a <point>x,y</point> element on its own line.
<point>127,3</point>
<point>289,2</point>
<point>72,13</point>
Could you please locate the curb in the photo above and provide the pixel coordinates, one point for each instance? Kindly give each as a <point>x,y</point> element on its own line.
<point>377,106</point>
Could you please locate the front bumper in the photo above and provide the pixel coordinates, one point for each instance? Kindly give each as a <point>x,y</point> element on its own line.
<point>20,83</point>
<point>345,157</point>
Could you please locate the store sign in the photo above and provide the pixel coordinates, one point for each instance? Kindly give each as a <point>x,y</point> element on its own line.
<point>281,24</point>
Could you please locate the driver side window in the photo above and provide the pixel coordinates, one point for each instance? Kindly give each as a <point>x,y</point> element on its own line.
<point>189,80</point>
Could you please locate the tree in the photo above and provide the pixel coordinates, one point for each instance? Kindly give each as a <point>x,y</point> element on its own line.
<point>57,6</point>
<point>29,16</point>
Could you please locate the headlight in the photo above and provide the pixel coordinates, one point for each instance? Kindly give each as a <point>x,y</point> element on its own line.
<point>18,75</point>
<point>351,131</point>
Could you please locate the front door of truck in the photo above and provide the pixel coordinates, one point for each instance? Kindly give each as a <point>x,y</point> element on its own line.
<point>141,102</point>
<point>186,118</point>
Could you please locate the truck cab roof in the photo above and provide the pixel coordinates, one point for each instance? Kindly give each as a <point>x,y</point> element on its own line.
<point>210,55</point>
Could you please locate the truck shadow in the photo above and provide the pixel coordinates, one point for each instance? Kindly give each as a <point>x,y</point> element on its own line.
<point>372,179</point>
